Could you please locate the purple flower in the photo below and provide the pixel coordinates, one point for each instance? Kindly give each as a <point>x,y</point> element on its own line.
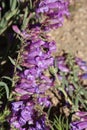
<point>27,116</point>
<point>44,84</point>
<point>81,113</point>
<point>16,29</point>
<point>22,112</point>
<point>40,124</point>
<point>37,58</point>
<point>80,124</point>
<point>44,101</point>
<point>54,12</point>
<point>83,76</point>
<point>82,64</point>
<point>61,64</point>
<point>16,106</point>
<point>83,67</point>
<point>80,61</point>
<point>38,53</point>
<point>63,68</point>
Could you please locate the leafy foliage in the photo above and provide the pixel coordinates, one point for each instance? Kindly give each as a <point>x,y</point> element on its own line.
<point>60,123</point>
<point>4,86</point>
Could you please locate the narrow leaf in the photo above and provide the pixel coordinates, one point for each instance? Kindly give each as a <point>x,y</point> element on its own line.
<point>6,88</point>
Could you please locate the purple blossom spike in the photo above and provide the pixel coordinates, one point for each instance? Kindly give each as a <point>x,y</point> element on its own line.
<point>36,60</point>
<point>54,11</point>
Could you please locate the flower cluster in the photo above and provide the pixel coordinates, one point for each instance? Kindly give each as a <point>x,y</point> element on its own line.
<point>24,116</point>
<point>33,83</point>
<point>53,11</point>
<point>37,57</point>
<point>39,70</point>
<point>34,79</point>
<point>81,123</point>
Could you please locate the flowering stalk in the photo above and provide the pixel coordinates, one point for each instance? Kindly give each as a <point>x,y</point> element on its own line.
<point>36,54</point>
<point>32,80</point>
<point>53,11</point>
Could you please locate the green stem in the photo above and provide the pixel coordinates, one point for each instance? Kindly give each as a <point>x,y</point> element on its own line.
<point>60,88</point>
<point>16,64</point>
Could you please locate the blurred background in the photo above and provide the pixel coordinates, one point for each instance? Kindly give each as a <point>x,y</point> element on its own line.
<point>72,37</point>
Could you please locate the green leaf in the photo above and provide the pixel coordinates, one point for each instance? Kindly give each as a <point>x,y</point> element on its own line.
<point>13,62</point>
<point>60,123</point>
<point>75,75</point>
<point>4,28</point>
<point>13,4</point>
<point>77,102</point>
<point>25,20</point>
<point>53,70</point>
<point>3,23</point>
<point>31,5</point>
<point>10,14</point>
<point>84,92</point>
<point>8,78</point>
<point>3,4</point>
<point>6,20</point>
<point>83,103</point>
<point>6,88</point>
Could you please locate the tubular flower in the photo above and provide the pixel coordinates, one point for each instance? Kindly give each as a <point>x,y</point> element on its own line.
<point>80,124</point>
<point>37,57</point>
<point>24,116</point>
<point>53,12</point>
<point>22,113</point>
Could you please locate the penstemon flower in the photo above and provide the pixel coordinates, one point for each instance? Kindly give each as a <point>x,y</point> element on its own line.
<point>81,123</point>
<point>82,64</point>
<point>35,78</point>
<point>53,11</point>
<point>36,60</point>
<point>24,115</point>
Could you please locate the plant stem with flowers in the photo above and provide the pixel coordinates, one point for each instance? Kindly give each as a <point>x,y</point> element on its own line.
<point>30,21</point>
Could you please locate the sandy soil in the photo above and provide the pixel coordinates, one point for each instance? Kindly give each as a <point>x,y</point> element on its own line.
<point>72,37</point>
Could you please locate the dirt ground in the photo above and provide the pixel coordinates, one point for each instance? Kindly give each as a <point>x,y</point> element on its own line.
<point>72,37</point>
